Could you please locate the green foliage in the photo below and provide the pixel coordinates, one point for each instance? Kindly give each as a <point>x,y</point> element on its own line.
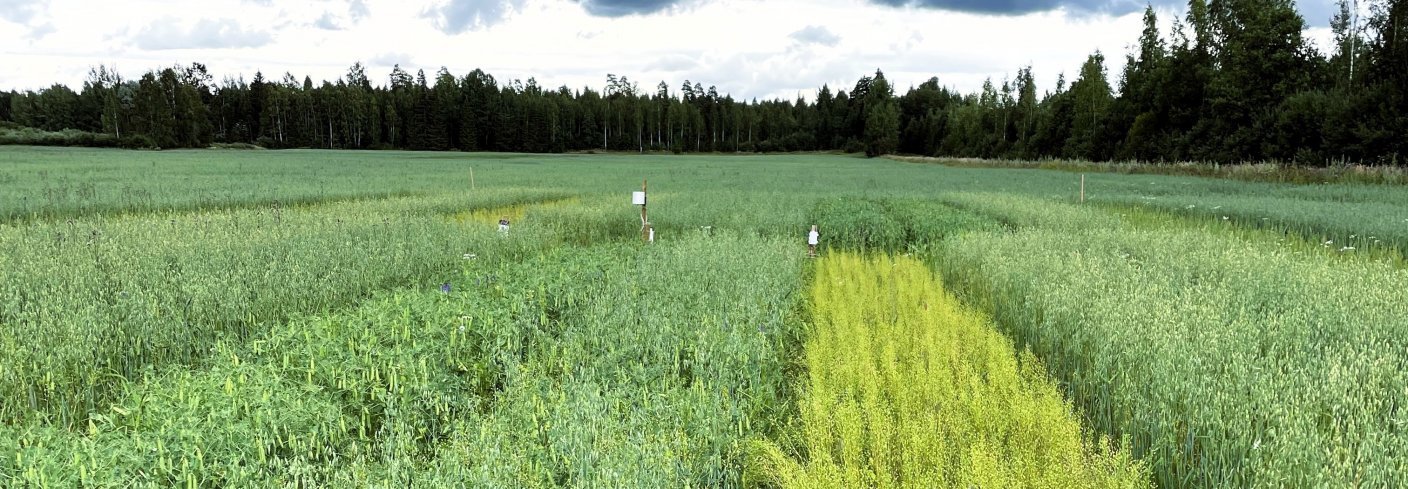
<point>1091,102</point>
<point>588,359</point>
<point>1261,62</point>
<point>882,118</point>
<point>61,183</point>
<point>1235,82</point>
<point>68,137</point>
<point>125,295</point>
<point>893,225</point>
<point>597,366</point>
<point>1227,362</point>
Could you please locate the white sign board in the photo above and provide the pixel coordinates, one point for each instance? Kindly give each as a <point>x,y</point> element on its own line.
<point>637,198</point>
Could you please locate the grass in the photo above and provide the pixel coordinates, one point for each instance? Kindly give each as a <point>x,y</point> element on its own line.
<point>1226,361</point>
<point>595,366</point>
<point>891,225</point>
<point>120,298</point>
<point>907,388</point>
<point>1230,352</point>
<point>1340,172</point>
<point>514,213</point>
<point>771,195</point>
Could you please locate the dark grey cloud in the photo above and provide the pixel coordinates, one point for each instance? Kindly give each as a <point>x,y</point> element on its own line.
<point>1020,7</point>
<point>456,16</point>
<point>169,33</point>
<point>622,8</point>
<point>815,34</point>
<point>19,11</point>
<point>1315,12</point>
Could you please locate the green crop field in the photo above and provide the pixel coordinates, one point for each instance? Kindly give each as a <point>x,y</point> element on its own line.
<point>308,318</point>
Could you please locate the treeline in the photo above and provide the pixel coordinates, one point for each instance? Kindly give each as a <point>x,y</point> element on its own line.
<point>1234,81</point>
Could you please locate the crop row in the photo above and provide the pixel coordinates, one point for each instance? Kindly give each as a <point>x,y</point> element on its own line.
<point>1225,361</point>
<point>906,388</point>
<point>770,195</point>
<point>598,366</point>
<point>57,183</point>
<point>89,304</point>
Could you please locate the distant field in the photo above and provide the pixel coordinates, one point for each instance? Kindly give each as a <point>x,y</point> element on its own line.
<point>353,319</point>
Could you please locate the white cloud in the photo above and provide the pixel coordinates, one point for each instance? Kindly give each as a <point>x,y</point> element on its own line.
<point>748,48</point>
<point>388,60</point>
<point>673,63</point>
<point>327,22</point>
<point>171,33</point>
<point>358,9</point>
<point>815,34</point>
<point>42,30</point>
<point>456,16</point>
<point>19,11</point>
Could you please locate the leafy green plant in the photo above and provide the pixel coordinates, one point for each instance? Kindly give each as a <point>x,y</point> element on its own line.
<point>1226,362</point>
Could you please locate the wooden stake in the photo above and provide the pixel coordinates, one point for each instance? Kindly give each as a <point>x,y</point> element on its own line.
<point>471,179</point>
<point>1082,188</point>
<point>644,219</point>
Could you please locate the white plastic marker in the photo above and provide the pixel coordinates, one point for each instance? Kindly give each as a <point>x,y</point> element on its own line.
<point>813,238</point>
<point>638,198</point>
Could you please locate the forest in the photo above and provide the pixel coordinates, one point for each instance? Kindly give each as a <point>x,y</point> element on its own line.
<point>1233,81</point>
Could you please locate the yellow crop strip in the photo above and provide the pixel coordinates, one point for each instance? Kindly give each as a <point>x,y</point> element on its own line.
<point>906,388</point>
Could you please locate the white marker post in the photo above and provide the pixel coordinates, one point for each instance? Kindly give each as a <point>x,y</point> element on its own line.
<point>638,198</point>
<point>813,238</point>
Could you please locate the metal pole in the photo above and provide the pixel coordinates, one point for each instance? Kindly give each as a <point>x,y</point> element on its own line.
<point>644,219</point>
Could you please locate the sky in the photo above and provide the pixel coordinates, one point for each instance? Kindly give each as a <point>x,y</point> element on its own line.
<point>747,48</point>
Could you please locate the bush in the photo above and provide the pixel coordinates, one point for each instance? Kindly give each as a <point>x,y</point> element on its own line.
<point>238,146</point>
<point>138,141</point>
<point>854,146</point>
<point>15,134</point>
